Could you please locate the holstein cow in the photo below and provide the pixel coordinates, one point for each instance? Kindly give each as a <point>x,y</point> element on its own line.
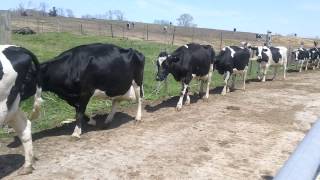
<point>95,69</point>
<point>271,56</point>
<point>185,63</point>
<point>314,57</point>
<point>232,60</point>
<point>19,79</point>
<point>302,57</point>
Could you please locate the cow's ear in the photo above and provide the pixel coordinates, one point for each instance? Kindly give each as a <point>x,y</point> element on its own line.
<point>173,59</point>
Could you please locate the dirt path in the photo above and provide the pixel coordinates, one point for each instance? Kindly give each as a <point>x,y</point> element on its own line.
<point>249,140</point>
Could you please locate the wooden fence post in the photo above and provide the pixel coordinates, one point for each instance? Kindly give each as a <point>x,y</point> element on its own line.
<point>221,40</point>
<point>81,29</point>
<point>5,29</point>
<point>147,32</point>
<point>173,35</point>
<point>111,31</point>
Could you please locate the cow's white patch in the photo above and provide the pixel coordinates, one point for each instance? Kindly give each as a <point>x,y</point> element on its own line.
<point>232,51</point>
<point>129,95</point>
<point>6,83</point>
<point>186,46</point>
<point>161,60</point>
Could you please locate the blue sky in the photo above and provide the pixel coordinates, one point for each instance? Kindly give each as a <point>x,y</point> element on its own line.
<point>281,16</point>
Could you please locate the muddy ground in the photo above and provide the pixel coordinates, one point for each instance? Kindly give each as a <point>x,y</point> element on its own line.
<point>244,135</point>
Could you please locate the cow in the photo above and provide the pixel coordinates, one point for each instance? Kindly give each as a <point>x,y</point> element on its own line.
<point>302,57</point>
<point>19,80</point>
<point>94,70</point>
<point>186,63</point>
<point>232,60</point>
<point>271,56</point>
<point>314,57</point>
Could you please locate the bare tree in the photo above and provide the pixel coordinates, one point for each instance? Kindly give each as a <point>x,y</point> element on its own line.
<point>69,13</point>
<point>185,20</point>
<point>110,14</point>
<point>60,12</point>
<point>119,15</point>
<point>43,8</point>
<point>21,10</point>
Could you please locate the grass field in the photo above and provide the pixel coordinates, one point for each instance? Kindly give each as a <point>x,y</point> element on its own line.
<point>49,45</point>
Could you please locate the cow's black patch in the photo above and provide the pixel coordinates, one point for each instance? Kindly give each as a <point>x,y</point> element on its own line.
<point>225,62</point>
<point>1,71</point>
<point>276,55</point>
<point>25,84</point>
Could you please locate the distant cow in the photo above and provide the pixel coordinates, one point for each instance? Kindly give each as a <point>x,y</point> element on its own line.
<point>79,73</point>
<point>187,62</point>
<point>302,57</point>
<point>314,57</point>
<point>232,60</point>
<point>271,56</point>
<point>19,79</point>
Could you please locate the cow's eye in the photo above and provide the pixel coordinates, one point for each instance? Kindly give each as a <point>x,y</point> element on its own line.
<point>265,50</point>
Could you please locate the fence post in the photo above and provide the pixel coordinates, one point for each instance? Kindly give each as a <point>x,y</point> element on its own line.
<point>221,40</point>
<point>147,32</point>
<point>5,29</point>
<point>173,35</point>
<point>81,29</point>
<point>111,31</point>
<point>122,32</point>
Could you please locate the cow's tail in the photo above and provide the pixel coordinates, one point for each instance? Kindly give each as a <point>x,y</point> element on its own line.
<point>37,97</point>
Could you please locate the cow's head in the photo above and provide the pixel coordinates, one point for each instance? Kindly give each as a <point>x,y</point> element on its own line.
<point>262,52</point>
<point>298,54</point>
<point>314,53</point>
<point>163,66</point>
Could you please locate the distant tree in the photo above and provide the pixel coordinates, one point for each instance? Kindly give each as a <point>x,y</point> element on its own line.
<point>87,16</point>
<point>60,12</point>
<point>119,15</point>
<point>110,14</point>
<point>21,10</point>
<point>161,22</point>
<point>185,20</point>
<point>69,13</point>
<point>53,12</point>
<point>43,8</point>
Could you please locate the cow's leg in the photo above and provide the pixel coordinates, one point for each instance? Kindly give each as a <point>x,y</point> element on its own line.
<point>113,111</point>
<point>226,80</point>
<point>183,92</point>
<point>245,78</point>
<point>233,79</point>
<point>187,97</point>
<point>206,97</point>
<point>301,65</point>
<point>80,115</point>
<point>265,70</point>
<point>318,63</point>
<point>275,72</point>
<point>138,95</point>
<point>307,64</point>
<point>284,71</point>
<point>259,71</point>
<point>22,126</point>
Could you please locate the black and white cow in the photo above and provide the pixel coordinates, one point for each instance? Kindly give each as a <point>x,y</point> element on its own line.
<point>185,63</point>
<point>19,79</point>
<point>95,69</point>
<point>314,57</point>
<point>302,56</point>
<point>271,56</point>
<point>232,60</point>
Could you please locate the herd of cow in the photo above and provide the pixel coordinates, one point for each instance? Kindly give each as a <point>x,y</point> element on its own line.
<point>111,71</point>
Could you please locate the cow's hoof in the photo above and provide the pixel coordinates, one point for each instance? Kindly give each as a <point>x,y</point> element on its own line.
<point>25,170</point>
<point>223,93</point>
<point>137,122</point>
<point>178,108</point>
<point>187,103</point>
<point>92,122</point>
<point>75,136</point>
